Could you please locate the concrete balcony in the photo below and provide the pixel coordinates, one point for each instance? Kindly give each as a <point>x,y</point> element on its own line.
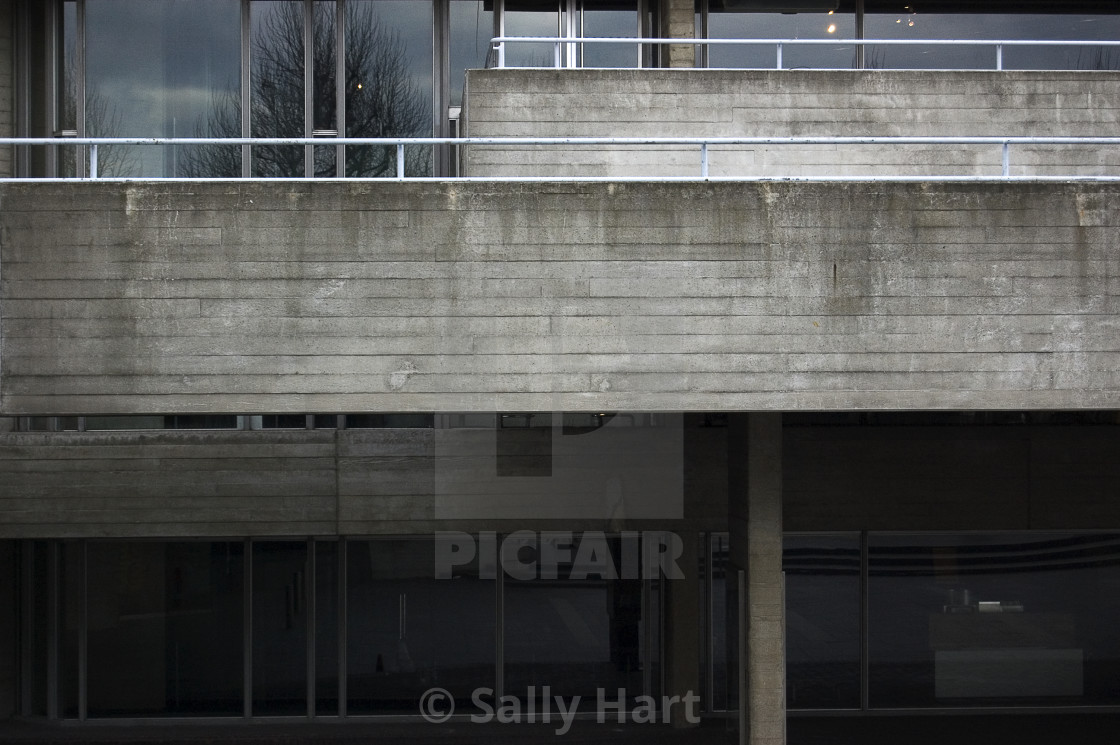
<point>281,297</point>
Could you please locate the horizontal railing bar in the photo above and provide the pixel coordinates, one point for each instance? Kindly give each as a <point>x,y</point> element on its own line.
<point>840,42</point>
<point>389,141</point>
<point>704,143</point>
<point>589,179</point>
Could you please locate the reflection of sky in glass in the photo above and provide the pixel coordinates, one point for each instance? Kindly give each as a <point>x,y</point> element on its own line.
<point>412,21</point>
<point>993,26</point>
<point>610,23</point>
<point>157,68</point>
<point>531,21</point>
<point>471,30</point>
<point>781,26</point>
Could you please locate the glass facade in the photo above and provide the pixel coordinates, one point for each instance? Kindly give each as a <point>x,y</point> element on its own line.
<point>320,627</point>
<point>952,620</point>
<point>362,626</point>
<point>395,68</point>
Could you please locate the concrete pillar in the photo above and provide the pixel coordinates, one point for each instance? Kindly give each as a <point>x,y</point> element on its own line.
<point>9,622</point>
<point>678,21</point>
<point>755,522</point>
<point>682,629</point>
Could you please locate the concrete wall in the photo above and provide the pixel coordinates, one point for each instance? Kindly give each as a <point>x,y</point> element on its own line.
<point>274,482</point>
<point>382,481</point>
<point>266,297</point>
<point>790,103</point>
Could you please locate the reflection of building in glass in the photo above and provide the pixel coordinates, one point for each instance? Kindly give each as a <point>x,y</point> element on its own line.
<point>864,400</point>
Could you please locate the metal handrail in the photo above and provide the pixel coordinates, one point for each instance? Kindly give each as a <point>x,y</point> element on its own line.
<point>703,143</point>
<point>498,43</point>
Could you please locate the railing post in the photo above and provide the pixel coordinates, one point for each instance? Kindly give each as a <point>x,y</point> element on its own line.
<point>400,160</point>
<point>704,160</point>
<point>556,55</point>
<point>1006,159</point>
<point>501,55</point>
<point>779,55</point>
<point>999,56</point>
<point>93,161</point>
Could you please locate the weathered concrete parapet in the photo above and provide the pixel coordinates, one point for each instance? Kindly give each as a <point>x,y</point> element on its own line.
<point>791,103</point>
<point>295,297</point>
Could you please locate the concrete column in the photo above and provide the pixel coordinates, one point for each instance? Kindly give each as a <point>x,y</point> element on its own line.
<point>755,522</point>
<point>678,21</point>
<point>682,630</point>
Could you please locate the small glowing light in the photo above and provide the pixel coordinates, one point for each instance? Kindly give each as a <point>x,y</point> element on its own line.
<point>898,20</point>
<point>359,86</point>
<point>910,23</point>
<point>832,28</point>
<point>831,12</point>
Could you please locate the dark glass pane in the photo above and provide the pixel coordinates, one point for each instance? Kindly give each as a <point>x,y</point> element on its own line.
<point>276,93</point>
<point>822,621</point>
<point>389,62</point>
<point>375,421</point>
<point>94,423</point>
<point>621,20</point>
<point>200,421</point>
<point>40,626</point>
<point>994,619</point>
<point>724,642</point>
<point>575,635</point>
<point>408,631</point>
<point>67,97</point>
<point>70,612</point>
<point>280,615</point>
<point>284,421</point>
<point>919,26</point>
<point>326,421</point>
<point>326,627</point>
<point>472,27</point>
<point>725,25</point>
<point>165,628</point>
<point>531,18</point>
<point>324,107</point>
<point>163,69</point>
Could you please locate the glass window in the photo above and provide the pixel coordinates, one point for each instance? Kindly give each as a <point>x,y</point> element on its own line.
<point>724,627</point>
<point>165,629</point>
<point>327,649</point>
<point>389,66</point>
<point>277,85</point>
<point>615,19</point>
<point>407,631</point>
<point>531,18</point>
<point>574,635</point>
<point>280,627</point>
<point>1003,619</point>
<point>723,24</point>
<point>472,26</point>
<point>163,69</point>
<point>822,621</point>
<point>918,26</point>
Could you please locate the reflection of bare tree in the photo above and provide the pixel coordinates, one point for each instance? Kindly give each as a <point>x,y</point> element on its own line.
<point>102,120</point>
<point>381,98</point>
